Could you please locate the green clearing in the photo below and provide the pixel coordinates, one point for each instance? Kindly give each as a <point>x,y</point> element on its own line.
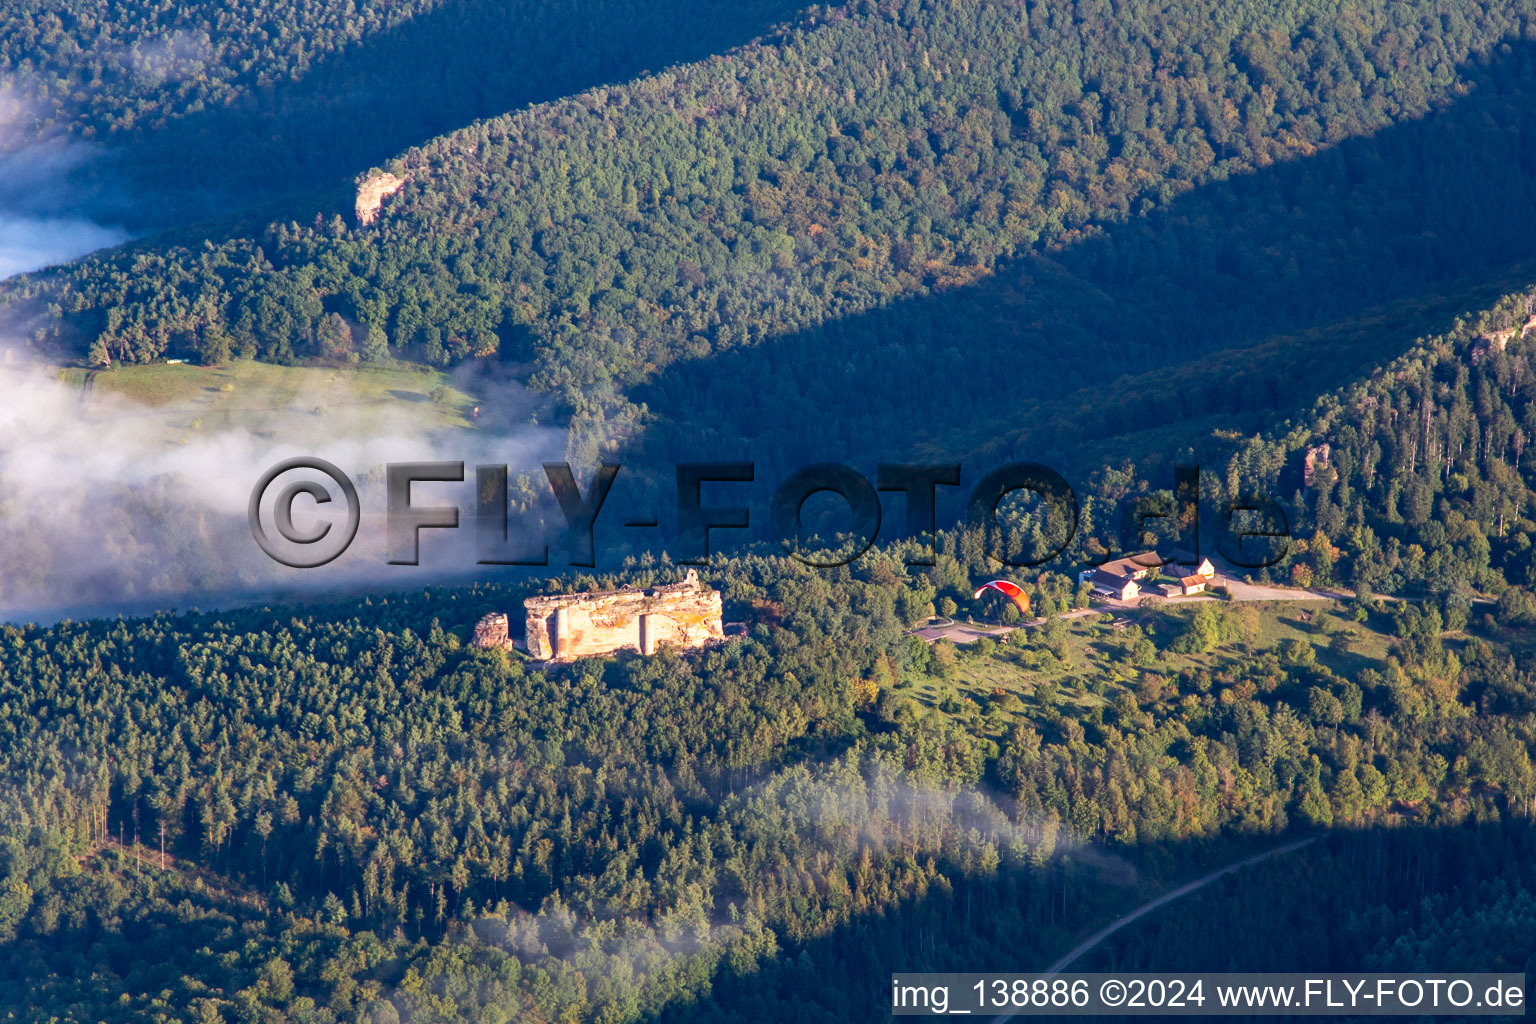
<point>184,399</point>
<point>1086,663</point>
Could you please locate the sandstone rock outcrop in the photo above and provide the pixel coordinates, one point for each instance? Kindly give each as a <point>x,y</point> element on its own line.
<point>565,627</point>
<point>1316,459</point>
<point>371,192</point>
<point>491,633</point>
<point>1491,341</point>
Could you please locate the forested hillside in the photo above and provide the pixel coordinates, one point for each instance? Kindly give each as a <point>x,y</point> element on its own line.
<point>1289,242</point>
<point>1369,183</point>
<point>363,815</point>
<point>877,151</point>
<point>1417,900</point>
<point>1234,306</point>
<point>1417,480</point>
<point>1423,475</point>
<point>197,109</point>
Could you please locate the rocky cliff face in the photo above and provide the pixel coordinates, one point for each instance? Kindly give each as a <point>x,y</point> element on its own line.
<point>1317,458</point>
<point>491,633</point>
<point>565,627</point>
<point>371,192</point>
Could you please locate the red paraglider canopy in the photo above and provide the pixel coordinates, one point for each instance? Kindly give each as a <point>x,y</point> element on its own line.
<point>1009,590</point>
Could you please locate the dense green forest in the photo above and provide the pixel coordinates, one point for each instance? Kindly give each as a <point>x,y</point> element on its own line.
<point>1423,485</point>
<point>1421,478</point>
<point>198,109</point>
<point>1422,475</point>
<point>364,817</point>
<point>877,151</point>
<point>1285,242</point>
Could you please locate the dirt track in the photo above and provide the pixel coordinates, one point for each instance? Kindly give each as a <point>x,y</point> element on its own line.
<point>1167,897</point>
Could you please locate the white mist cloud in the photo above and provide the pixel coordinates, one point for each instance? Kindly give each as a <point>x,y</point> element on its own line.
<point>780,830</point>
<point>107,505</point>
<point>31,243</point>
<point>170,58</point>
<point>55,199</point>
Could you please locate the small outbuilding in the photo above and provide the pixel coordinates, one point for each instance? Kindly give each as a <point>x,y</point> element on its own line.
<point>1186,563</point>
<point>1194,584</point>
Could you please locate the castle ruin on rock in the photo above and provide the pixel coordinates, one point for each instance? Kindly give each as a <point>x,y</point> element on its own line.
<point>563,627</point>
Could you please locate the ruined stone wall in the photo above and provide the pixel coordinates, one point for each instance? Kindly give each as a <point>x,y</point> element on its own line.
<point>564,627</point>
<point>492,633</point>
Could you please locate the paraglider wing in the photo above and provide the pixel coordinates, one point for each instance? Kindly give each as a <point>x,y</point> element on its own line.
<point>1008,590</point>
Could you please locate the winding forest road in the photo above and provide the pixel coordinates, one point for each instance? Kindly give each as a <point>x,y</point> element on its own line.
<point>1167,897</point>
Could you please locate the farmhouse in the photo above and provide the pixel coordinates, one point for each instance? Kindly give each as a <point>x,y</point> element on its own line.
<point>1124,578</point>
<point>1183,563</point>
<point>1108,584</point>
<point>1134,567</point>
